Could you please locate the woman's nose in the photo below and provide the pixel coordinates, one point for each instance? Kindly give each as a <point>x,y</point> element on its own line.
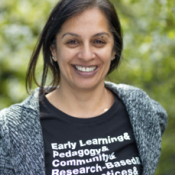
<point>86,52</point>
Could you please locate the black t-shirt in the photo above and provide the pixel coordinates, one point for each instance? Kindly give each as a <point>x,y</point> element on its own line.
<point>102,145</point>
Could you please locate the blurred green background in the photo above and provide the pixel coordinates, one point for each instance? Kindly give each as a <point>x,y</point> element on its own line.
<point>148,59</point>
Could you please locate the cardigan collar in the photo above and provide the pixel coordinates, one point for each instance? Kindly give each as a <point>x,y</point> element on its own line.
<point>138,106</point>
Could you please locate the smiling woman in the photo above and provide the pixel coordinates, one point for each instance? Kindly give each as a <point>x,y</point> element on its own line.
<point>108,32</point>
<point>81,44</point>
<point>84,50</point>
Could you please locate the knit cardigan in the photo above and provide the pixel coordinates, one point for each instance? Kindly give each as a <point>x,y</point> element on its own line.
<point>21,140</point>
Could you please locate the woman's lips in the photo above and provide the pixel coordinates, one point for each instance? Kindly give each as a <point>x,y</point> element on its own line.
<point>85,71</point>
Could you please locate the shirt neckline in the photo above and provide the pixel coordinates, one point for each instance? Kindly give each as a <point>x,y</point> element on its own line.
<point>55,112</point>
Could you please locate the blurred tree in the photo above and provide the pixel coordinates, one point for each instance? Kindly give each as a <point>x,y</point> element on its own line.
<point>149,61</point>
<point>148,58</point>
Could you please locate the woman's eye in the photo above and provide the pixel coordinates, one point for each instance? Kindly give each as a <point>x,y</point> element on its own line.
<point>72,42</point>
<point>99,42</point>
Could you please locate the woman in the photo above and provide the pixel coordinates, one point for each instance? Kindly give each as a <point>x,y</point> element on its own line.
<point>85,125</point>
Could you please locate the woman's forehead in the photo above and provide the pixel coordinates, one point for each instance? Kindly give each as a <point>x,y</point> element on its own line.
<point>90,21</point>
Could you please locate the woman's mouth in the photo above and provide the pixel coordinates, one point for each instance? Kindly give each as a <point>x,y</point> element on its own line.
<point>86,69</point>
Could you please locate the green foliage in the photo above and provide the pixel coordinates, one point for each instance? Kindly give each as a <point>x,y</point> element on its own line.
<point>149,61</point>
<point>148,58</point>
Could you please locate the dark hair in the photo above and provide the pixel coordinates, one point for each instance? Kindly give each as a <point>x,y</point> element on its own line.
<point>64,10</point>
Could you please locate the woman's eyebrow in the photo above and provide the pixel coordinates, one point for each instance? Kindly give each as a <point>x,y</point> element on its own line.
<point>73,34</point>
<point>102,33</point>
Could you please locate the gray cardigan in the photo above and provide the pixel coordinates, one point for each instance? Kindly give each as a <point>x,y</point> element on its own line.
<point>21,141</point>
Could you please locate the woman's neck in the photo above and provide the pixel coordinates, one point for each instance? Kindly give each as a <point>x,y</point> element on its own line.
<point>82,104</point>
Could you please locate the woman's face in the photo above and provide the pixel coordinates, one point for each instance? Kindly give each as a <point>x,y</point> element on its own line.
<point>84,50</point>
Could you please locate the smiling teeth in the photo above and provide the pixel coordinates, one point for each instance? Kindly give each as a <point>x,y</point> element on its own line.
<point>85,69</point>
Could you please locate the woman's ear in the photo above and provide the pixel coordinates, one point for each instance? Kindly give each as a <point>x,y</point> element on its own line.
<point>113,56</point>
<point>53,53</point>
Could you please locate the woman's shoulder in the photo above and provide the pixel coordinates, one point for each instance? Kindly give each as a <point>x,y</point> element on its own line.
<point>130,95</point>
<point>19,125</point>
<point>18,117</point>
<point>5,160</point>
<point>13,113</point>
<point>124,89</point>
<point>139,104</point>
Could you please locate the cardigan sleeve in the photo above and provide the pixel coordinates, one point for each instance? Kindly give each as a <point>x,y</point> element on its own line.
<point>6,167</point>
<point>162,115</point>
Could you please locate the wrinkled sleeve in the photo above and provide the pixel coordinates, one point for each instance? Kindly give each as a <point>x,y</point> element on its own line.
<point>162,115</point>
<point>6,167</point>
